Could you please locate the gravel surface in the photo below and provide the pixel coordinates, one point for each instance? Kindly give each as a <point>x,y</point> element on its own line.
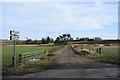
<point>69,60</point>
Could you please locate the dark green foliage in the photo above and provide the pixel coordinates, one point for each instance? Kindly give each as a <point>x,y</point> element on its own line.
<point>47,40</point>
<point>63,39</point>
<point>29,41</point>
<point>43,41</point>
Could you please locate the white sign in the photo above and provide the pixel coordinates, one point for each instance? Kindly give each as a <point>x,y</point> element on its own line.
<point>14,32</point>
<point>14,35</point>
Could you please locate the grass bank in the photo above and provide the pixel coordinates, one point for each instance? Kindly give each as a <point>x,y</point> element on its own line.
<point>108,54</point>
<point>33,66</point>
<point>7,51</point>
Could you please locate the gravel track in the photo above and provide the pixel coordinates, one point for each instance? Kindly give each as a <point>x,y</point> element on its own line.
<point>70,60</point>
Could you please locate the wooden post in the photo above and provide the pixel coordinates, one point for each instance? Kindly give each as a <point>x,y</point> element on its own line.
<point>20,59</point>
<point>96,50</point>
<point>44,52</point>
<point>32,56</point>
<point>13,61</point>
<point>89,50</point>
<point>24,58</point>
<point>99,50</point>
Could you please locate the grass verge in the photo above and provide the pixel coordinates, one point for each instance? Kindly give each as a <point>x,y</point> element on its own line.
<point>32,66</point>
<point>109,54</point>
<point>104,58</point>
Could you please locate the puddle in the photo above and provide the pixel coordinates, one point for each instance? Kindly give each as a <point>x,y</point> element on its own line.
<point>34,59</point>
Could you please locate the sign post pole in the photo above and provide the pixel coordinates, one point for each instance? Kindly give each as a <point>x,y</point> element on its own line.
<point>14,36</point>
<point>14,53</point>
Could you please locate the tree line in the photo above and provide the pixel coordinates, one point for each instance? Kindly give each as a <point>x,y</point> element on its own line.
<point>88,39</point>
<point>46,40</point>
<point>60,40</point>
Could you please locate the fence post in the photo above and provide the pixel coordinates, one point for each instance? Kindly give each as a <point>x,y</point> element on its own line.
<point>89,50</point>
<point>13,61</point>
<point>24,58</point>
<point>20,59</point>
<point>99,50</point>
<point>44,52</point>
<point>32,56</point>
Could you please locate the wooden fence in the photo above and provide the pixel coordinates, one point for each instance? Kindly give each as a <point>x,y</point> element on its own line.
<point>31,56</point>
<point>88,50</point>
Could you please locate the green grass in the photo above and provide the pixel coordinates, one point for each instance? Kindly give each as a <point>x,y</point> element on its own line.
<point>32,66</point>
<point>7,51</point>
<point>108,53</point>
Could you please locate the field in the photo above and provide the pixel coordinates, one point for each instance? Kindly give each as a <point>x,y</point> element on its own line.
<point>7,51</point>
<point>108,53</point>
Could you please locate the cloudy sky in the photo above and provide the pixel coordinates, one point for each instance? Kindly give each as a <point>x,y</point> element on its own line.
<point>40,19</point>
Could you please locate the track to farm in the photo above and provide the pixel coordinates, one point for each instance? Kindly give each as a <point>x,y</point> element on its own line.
<point>70,60</point>
<point>70,65</point>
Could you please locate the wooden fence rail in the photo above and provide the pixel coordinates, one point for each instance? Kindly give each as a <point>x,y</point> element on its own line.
<point>89,50</point>
<point>25,57</point>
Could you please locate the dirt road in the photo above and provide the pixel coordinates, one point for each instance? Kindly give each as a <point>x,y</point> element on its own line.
<point>69,60</point>
<point>70,65</point>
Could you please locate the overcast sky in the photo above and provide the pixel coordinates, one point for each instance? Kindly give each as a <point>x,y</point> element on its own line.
<point>41,19</point>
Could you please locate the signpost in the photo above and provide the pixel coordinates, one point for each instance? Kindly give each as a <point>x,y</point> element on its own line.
<point>14,35</point>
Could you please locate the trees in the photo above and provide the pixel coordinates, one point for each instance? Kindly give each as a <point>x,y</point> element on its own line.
<point>35,42</point>
<point>64,36</point>
<point>63,39</point>
<point>69,36</point>
<point>43,41</point>
<point>57,41</point>
<point>47,40</point>
<point>29,41</point>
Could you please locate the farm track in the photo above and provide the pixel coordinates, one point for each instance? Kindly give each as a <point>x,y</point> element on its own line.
<point>70,65</point>
<point>69,60</point>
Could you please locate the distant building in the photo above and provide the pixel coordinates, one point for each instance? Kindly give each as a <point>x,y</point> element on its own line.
<point>97,38</point>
